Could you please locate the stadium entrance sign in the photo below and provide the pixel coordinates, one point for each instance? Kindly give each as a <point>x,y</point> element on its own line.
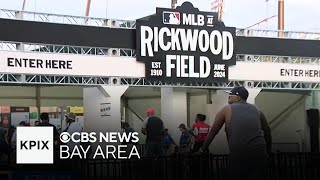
<point>184,45</point>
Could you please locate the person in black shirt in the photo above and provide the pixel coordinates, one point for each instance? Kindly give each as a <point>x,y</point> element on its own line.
<point>153,129</point>
<point>45,122</point>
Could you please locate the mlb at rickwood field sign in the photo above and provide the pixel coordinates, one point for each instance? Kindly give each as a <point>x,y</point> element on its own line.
<point>184,45</point>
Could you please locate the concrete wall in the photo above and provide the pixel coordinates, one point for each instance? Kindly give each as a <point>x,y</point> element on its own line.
<point>61,96</point>
<point>285,127</point>
<point>174,110</point>
<point>17,96</point>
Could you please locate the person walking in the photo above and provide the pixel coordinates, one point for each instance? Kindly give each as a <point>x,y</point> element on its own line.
<point>153,129</point>
<point>167,143</point>
<point>202,130</point>
<point>248,135</point>
<point>185,143</point>
<point>45,122</point>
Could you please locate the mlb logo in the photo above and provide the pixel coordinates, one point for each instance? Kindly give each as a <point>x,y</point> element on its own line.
<point>171,18</point>
<point>34,145</point>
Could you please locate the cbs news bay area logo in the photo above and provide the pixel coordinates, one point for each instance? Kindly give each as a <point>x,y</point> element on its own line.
<point>35,145</point>
<point>185,45</point>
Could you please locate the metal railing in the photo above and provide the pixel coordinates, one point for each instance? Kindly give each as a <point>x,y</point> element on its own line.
<point>281,166</point>
<point>123,52</point>
<point>131,24</point>
<point>165,168</point>
<point>278,34</point>
<point>66,19</point>
<point>285,147</point>
<point>65,49</point>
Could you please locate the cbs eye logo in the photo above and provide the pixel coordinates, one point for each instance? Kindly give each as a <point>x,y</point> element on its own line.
<point>77,137</point>
<point>65,137</point>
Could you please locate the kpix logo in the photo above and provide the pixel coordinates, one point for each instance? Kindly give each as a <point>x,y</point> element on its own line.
<point>34,145</point>
<point>29,145</point>
<point>171,18</point>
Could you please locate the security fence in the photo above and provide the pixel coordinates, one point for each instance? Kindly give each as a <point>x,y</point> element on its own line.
<point>285,147</point>
<point>281,166</point>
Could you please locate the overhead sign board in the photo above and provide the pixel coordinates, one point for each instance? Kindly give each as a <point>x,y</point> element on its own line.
<point>282,72</point>
<point>69,64</point>
<point>82,65</point>
<point>185,45</point>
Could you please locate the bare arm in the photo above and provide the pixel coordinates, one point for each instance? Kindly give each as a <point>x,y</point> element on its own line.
<point>266,130</point>
<point>217,125</point>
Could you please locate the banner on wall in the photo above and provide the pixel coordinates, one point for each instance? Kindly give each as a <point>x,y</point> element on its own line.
<point>33,115</point>
<point>185,45</point>
<point>77,110</point>
<point>5,109</point>
<point>105,109</point>
<point>19,114</point>
<point>20,109</point>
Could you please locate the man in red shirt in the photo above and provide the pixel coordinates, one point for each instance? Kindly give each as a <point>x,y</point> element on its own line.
<point>202,130</point>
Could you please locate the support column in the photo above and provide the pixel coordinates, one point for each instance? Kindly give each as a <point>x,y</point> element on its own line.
<point>312,102</point>
<point>219,99</point>
<point>102,106</point>
<point>253,93</point>
<point>38,100</point>
<point>102,110</point>
<point>174,110</point>
<point>189,123</point>
<point>126,105</point>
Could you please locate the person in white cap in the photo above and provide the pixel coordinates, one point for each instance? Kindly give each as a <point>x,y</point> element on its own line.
<point>72,127</point>
<point>72,124</point>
